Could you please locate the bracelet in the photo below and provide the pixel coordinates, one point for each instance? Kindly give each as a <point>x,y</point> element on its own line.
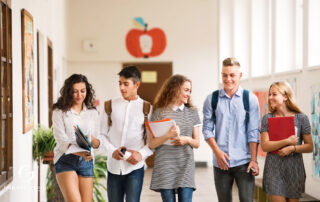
<point>294,146</point>
<point>254,161</point>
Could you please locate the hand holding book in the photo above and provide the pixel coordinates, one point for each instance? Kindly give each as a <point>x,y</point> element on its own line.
<point>282,128</point>
<point>293,140</point>
<point>81,139</point>
<point>165,127</point>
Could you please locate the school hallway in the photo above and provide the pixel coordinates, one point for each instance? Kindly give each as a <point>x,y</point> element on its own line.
<point>204,183</point>
<point>43,42</point>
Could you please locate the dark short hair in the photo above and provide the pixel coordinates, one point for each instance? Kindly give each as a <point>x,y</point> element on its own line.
<point>131,72</point>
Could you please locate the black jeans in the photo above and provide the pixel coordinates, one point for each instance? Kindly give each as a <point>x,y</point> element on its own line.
<point>224,180</point>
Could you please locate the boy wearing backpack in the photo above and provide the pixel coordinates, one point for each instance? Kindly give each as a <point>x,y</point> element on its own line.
<point>233,114</point>
<point>122,125</point>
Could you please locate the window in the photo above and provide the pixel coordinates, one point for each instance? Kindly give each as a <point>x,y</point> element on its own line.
<point>225,32</point>
<point>241,37</point>
<point>288,35</point>
<point>266,36</point>
<point>6,170</point>
<point>260,38</point>
<point>313,33</point>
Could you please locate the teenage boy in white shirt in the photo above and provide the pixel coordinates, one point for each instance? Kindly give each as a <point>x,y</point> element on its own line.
<point>125,173</point>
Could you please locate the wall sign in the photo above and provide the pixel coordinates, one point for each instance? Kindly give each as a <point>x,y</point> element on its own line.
<point>149,76</point>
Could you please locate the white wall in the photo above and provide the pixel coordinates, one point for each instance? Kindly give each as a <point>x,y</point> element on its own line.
<point>304,80</point>
<point>191,31</point>
<point>48,17</point>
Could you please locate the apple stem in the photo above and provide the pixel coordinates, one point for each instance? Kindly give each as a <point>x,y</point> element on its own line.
<point>145,27</point>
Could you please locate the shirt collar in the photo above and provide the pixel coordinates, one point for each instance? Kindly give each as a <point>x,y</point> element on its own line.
<point>223,93</point>
<point>181,107</point>
<point>84,108</point>
<point>124,100</point>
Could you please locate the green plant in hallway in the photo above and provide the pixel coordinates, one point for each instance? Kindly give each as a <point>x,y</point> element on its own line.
<point>42,142</point>
<point>100,171</point>
<point>50,186</point>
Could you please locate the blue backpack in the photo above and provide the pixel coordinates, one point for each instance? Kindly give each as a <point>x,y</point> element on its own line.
<point>246,105</point>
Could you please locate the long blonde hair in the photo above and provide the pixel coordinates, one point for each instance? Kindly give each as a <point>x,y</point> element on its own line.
<point>170,91</point>
<point>285,89</point>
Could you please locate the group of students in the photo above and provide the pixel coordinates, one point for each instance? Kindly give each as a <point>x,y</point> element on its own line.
<point>231,121</point>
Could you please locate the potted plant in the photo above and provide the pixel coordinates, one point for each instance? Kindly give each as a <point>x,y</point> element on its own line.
<point>43,143</point>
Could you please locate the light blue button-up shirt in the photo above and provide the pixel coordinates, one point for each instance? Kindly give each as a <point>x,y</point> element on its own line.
<point>230,128</point>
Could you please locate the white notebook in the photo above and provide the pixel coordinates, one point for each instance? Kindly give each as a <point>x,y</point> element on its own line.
<point>160,128</point>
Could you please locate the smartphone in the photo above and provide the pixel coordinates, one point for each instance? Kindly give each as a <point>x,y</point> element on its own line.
<point>123,150</point>
<point>252,170</point>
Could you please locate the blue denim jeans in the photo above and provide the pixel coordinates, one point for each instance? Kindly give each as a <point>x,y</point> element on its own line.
<point>71,162</point>
<point>224,180</point>
<point>129,186</point>
<point>184,194</point>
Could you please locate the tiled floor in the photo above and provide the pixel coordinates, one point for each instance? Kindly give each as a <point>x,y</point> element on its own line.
<point>204,182</point>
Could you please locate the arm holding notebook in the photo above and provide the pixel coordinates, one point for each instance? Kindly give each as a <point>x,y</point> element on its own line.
<point>268,146</point>
<point>157,141</point>
<point>192,141</point>
<point>307,147</point>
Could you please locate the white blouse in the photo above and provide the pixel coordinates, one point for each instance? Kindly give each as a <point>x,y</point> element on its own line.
<point>88,120</point>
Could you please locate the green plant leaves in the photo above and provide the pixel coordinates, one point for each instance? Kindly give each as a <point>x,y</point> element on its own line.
<point>42,141</point>
<point>100,171</point>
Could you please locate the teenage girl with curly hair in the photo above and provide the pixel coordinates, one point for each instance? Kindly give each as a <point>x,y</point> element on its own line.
<point>74,165</point>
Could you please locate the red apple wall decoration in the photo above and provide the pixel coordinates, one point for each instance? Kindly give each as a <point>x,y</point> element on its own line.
<point>143,43</point>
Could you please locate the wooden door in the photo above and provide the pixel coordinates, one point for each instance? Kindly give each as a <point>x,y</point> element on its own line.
<point>153,76</point>
<point>38,75</point>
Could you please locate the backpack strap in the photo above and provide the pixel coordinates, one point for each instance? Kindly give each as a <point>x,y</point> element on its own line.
<point>108,110</point>
<point>214,103</point>
<point>146,111</point>
<point>246,106</point>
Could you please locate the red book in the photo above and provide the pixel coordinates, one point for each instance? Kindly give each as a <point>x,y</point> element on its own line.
<point>280,128</point>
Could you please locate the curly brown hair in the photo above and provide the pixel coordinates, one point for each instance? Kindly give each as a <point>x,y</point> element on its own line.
<point>169,92</point>
<point>65,100</point>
